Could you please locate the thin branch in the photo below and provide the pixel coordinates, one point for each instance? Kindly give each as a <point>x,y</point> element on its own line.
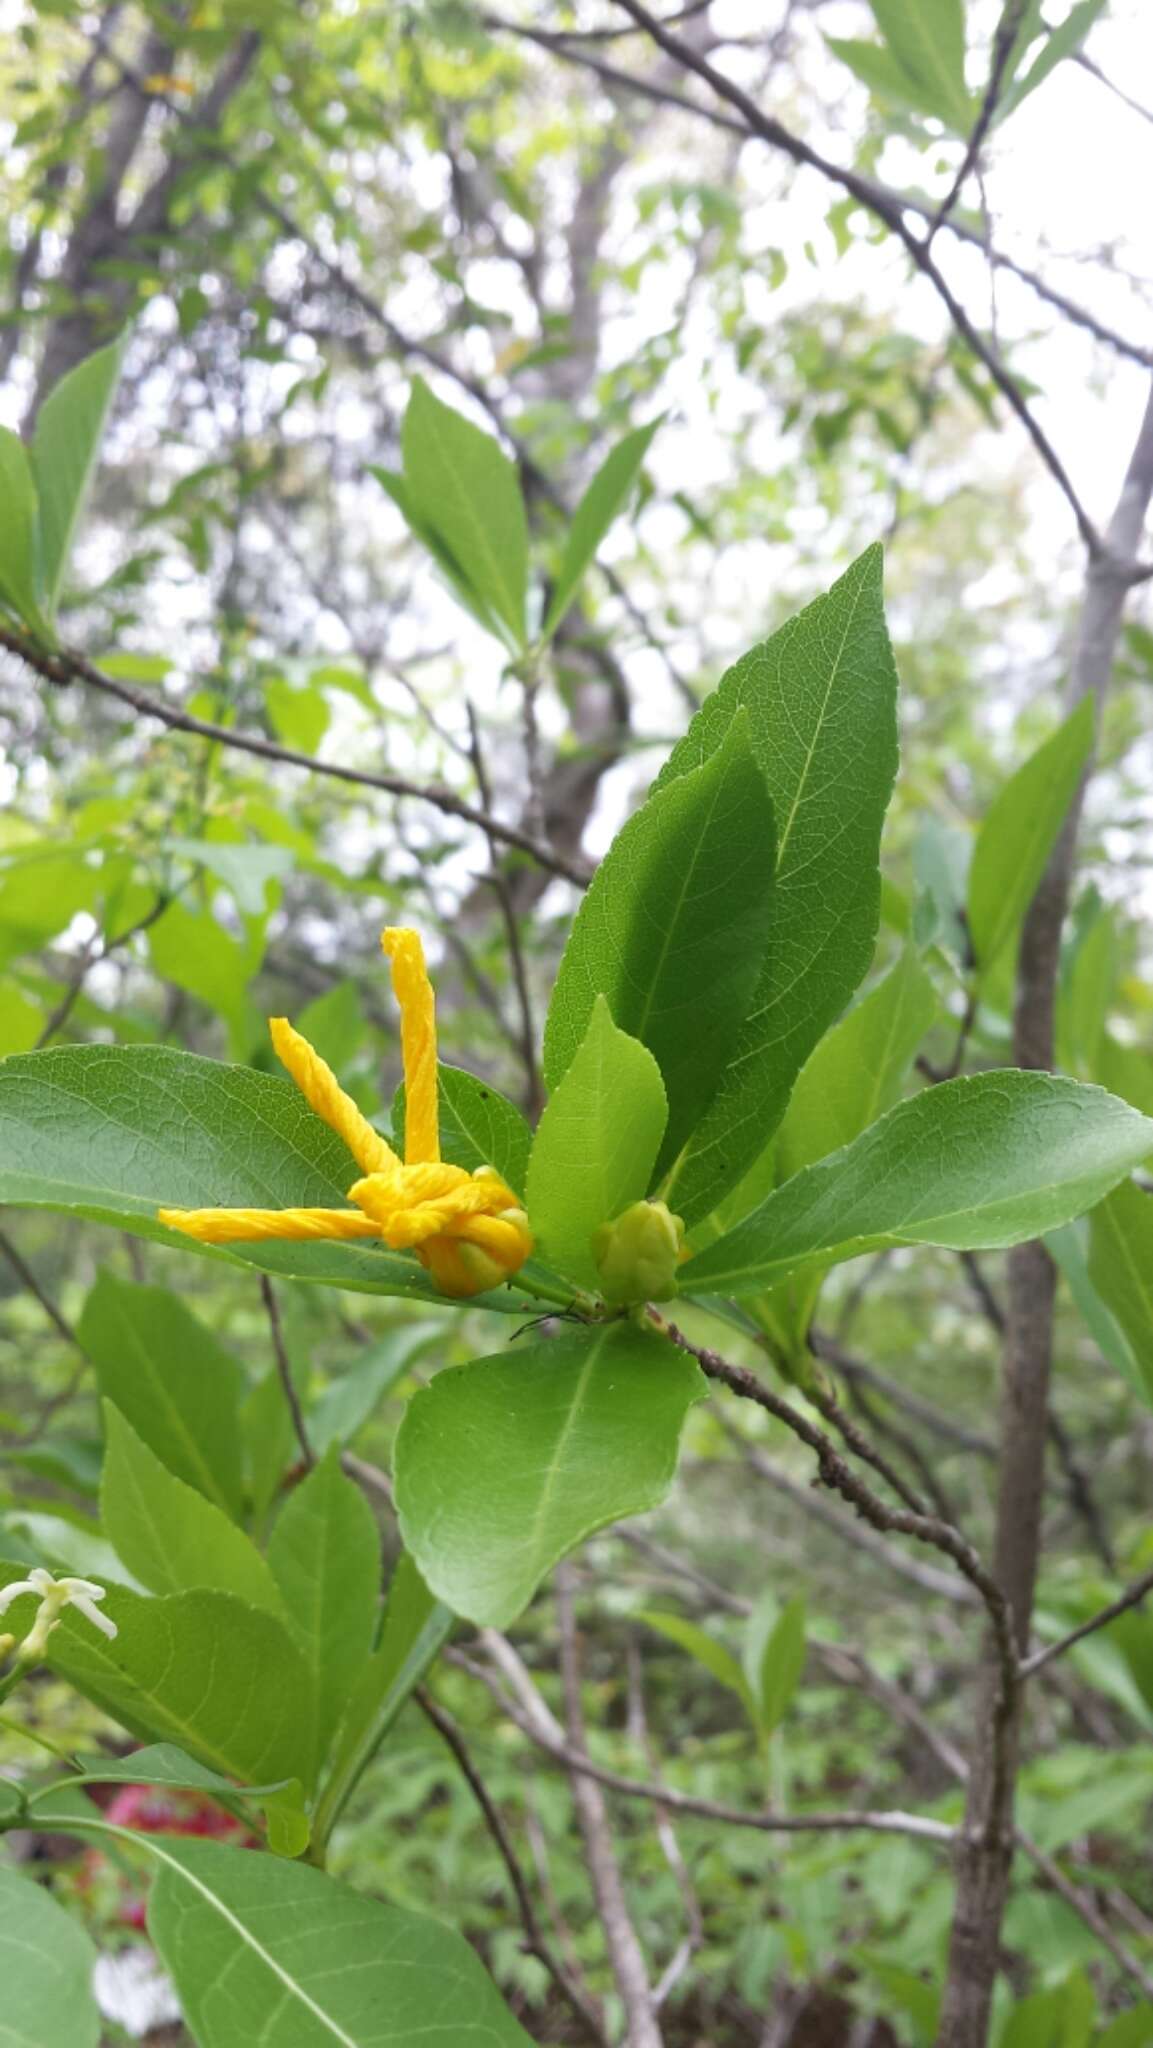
<point>1003,42</point>
<point>772,131</point>
<point>939,1585</point>
<point>576,1760</point>
<point>27,1277</point>
<point>942,1425</point>
<point>60,1323</point>
<point>63,666</point>
<point>827,1405</point>
<point>536,1942</point>
<point>838,1475</point>
<point>284,1371</point>
<point>568,52</point>
<point>1132,1597</point>
<point>1095,71</point>
<point>88,957</point>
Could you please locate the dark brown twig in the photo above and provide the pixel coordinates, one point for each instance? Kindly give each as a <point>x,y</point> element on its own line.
<point>62,666</point>
<point>1131,1597</point>
<point>87,959</point>
<point>284,1371</point>
<point>1003,42</point>
<point>837,1474</point>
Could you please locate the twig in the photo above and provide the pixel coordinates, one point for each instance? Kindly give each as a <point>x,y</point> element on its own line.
<point>284,1370</point>
<point>1131,1597</point>
<point>536,1942</point>
<point>935,1419</point>
<point>827,1405</point>
<point>28,1279</point>
<point>1095,71</point>
<point>63,665</point>
<point>57,1401</point>
<point>837,1474</point>
<point>87,959</point>
<point>1078,1488</point>
<point>1003,42</point>
<point>939,1585</point>
<point>567,51</point>
<point>772,131</point>
<point>536,1727</point>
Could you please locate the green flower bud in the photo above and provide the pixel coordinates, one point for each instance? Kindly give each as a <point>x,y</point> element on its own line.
<point>637,1255</point>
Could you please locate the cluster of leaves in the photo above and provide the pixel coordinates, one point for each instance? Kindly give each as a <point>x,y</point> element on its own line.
<point>697,1050</point>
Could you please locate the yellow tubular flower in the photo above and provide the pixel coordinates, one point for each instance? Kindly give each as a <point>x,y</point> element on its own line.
<point>467,1229</point>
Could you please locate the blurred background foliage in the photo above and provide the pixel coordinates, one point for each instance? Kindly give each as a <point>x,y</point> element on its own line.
<point>294,210</point>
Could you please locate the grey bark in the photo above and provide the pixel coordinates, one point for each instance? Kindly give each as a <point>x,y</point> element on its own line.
<point>985,1854</point>
<point>104,232</point>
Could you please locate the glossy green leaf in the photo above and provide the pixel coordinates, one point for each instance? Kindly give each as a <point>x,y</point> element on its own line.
<point>706,1651</point>
<point>176,1385</point>
<point>405,501</point>
<point>194,951</point>
<point>854,1075</point>
<point>886,78</point>
<point>503,1465</point>
<point>347,1402</point>
<point>19,579</point>
<point>65,447</point>
<point>857,1071</point>
<point>674,928</point>
<point>1131,2029</point>
<point>1121,1269</point>
<point>782,1664</point>
<point>983,1161</point>
<point>162,1763</point>
<point>478,1126</point>
<point>334,1024</point>
<point>821,698</point>
<point>277,1955</point>
<point>46,1966</point>
<point>170,1537</point>
<point>464,487</point>
<point>415,1629</point>
<point>113,1132</point>
<point>1069,1247</point>
<point>596,1144</point>
<point>1060,42</point>
<point>299,715</point>
<point>325,1554</point>
<point>1019,832</point>
<point>245,868</point>
<point>927,38</point>
<point>203,1670</point>
<point>606,497</point>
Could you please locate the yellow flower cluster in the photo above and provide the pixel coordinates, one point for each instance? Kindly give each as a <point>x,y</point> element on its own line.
<point>467,1229</point>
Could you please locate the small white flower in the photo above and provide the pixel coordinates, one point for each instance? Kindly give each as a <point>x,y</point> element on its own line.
<point>54,1596</point>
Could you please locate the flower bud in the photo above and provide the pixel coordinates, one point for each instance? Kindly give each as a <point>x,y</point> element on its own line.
<point>637,1255</point>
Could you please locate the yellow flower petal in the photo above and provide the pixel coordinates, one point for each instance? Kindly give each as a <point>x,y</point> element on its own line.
<point>323,1093</point>
<point>413,991</point>
<point>251,1226</point>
